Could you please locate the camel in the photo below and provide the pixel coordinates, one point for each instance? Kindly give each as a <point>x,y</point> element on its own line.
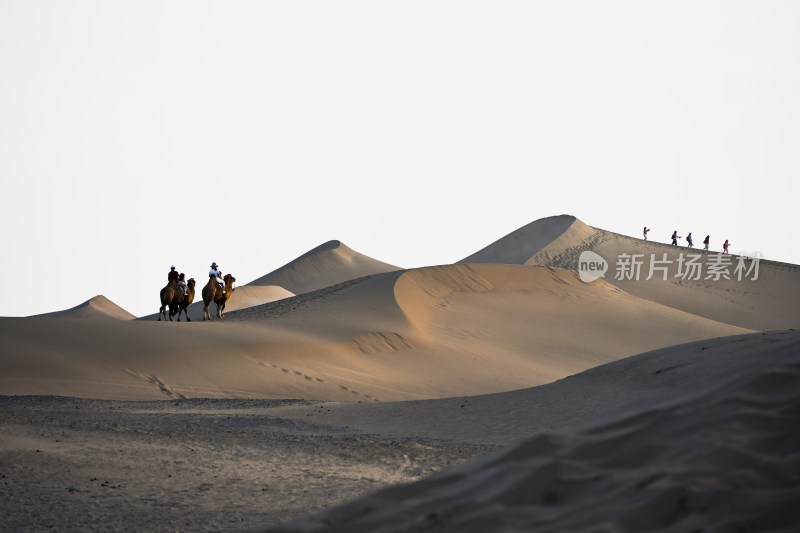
<point>187,300</point>
<point>212,292</point>
<point>171,296</point>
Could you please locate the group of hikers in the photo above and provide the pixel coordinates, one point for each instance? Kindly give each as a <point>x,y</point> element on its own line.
<point>180,279</point>
<point>689,240</point>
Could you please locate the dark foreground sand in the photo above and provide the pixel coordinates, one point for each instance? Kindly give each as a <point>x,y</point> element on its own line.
<point>698,437</point>
<point>70,464</point>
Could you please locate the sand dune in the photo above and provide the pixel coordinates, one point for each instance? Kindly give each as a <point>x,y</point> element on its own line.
<point>425,333</point>
<point>519,245</point>
<point>768,302</point>
<point>399,373</point>
<point>243,297</point>
<point>97,308</point>
<point>695,437</point>
<point>328,264</point>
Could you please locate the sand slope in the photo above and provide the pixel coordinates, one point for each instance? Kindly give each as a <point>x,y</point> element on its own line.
<point>97,308</point>
<point>328,264</point>
<point>768,302</point>
<point>695,437</point>
<point>425,333</point>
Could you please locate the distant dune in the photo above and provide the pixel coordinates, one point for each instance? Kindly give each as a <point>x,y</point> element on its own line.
<point>97,308</point>
<point>517,247</point>
<point>325,265</point>
<point>768,302</point>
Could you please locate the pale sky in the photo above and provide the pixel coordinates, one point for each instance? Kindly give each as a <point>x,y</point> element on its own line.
<point>136,135</point>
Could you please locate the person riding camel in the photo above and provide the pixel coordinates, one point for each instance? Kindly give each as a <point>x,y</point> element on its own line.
<point>217,274</point>
<point>182,283</point>
<point>172,275</point>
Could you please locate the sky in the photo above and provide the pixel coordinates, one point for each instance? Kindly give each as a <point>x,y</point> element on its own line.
<point>138,135</point>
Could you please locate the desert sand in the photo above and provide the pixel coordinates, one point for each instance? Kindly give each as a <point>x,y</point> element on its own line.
<point>618,404</point>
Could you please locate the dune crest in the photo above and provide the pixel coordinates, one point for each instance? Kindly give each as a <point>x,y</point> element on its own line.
<point>328,264</point>
<point>97,308</point>
<point>519,245</point>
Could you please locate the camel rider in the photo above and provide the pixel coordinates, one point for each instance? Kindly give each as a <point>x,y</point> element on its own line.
<point>173,274</point>
<point>182,283</point>
<point>217,274</point>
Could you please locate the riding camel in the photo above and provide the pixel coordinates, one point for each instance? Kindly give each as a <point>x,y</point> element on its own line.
<point>213,293</point>
<point>171,296</point>
<point>187,300</point>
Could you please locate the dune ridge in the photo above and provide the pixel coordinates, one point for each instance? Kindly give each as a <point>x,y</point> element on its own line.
<point>519,245</point>
<point>328,264</point>
<point>97,308</point>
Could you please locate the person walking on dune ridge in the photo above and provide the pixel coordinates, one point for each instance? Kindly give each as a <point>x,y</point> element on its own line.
<point>725,247</point>
<point>675,238</point>
<point>646,231</point>
<point>706,241</point>
<point>689,240</point>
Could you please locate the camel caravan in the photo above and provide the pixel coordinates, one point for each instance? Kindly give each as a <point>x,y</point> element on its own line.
<point>178,295</point>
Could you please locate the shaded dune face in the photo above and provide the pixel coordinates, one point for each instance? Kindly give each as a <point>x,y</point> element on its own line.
<point>548,317</point>
<point>706,447</point>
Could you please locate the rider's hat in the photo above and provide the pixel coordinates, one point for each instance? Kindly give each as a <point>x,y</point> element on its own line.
<point>213,265</point>
<point>172,267</point>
